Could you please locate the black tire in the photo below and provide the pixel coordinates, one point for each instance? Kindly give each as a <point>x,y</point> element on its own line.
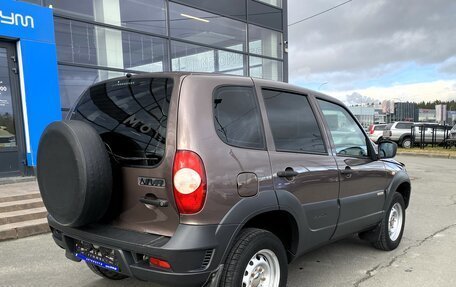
<point>406,143</point>
<point>247,244</point>
<point>74,173</point>
<point>108,274</point>
<point>379,236</point>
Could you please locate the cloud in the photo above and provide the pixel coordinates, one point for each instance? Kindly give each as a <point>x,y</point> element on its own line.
<point>429,91</point>
<point>366,39</point>
<point>356,98</point>
<point>449,66</point>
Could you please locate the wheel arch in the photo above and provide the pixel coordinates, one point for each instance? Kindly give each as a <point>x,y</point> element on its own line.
<point>265,213</point>
<point>400,184</point>
<point>404,136</point>
<point>280,223</point>
<point>404,189</point>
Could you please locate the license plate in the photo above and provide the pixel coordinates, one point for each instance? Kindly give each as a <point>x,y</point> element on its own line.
<point>96,255</point>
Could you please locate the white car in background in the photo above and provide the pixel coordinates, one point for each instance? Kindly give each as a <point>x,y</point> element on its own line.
<point>376,132</point>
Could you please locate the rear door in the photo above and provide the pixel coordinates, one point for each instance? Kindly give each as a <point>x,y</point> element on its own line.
<point>362,180</point>
<point>136,118</point>
<point>301,164</point>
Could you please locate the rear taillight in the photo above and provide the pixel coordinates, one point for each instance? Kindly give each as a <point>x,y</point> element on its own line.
<point>371,129</point>
<point>189,182</point>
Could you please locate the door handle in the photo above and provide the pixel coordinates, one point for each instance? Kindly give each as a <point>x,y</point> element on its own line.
<point>347,171</point>
<point>155,202</point>
<point>288,173</point>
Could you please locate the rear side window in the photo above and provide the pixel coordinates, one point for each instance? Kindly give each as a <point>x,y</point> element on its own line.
<point>292,121</point>
<point>131,117</point>
<point>404,126</point>
<point>389,126</point>
<point>237,117</point>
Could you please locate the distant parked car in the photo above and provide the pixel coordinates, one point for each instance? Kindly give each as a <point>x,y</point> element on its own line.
<point>399,132</point>
<point>376,132</point>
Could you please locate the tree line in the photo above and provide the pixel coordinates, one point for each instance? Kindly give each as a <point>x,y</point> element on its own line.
<point>451,105</point>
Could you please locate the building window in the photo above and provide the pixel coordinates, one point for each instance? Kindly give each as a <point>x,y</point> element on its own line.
<point>266,69</point>
<point>265,42</point>
<point>206,28</point>
<point>80,8</point>
<point>277,3</point>
<point>194,58</point>
<point>83,43</point>
<point>231,63</point>
<point>143,15</point>
<point>74,80</point>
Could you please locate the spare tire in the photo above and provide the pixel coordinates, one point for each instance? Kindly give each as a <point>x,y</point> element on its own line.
<point>74,173</point>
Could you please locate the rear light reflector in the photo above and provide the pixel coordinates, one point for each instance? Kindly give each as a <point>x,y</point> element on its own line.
<point>189,182</point>
<point>371,129</point>
<point>159,263</point>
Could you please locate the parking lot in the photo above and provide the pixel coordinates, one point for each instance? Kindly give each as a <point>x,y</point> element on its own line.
<point>426,256</point>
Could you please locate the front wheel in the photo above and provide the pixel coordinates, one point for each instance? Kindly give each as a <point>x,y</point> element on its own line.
<point>257,259</point>
<point>390,230</point>
<point>406,143</point>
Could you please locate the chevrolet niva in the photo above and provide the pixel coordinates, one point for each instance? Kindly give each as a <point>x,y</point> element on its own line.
<point>190,179</point>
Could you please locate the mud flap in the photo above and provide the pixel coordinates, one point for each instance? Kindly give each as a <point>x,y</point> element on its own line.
<point>214,278</point>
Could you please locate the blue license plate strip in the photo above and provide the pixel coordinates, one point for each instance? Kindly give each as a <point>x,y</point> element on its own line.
<point>97,262</point>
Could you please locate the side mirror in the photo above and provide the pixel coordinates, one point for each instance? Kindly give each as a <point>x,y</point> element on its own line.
<point>387,149</point>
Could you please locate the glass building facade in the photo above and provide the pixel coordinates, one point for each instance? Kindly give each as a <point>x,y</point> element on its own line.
<point>101,39</point>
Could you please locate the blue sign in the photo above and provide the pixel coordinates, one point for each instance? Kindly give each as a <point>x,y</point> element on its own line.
<point>32,27</point>
<point>27,21</point>
<point>97,262</point>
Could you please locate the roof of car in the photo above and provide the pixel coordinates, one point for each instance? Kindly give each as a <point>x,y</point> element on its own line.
<point>257,81</point>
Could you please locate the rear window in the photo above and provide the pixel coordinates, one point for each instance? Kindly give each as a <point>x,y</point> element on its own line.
<point>389,126</point>
<point>379,128</point>
<point>131,117</point>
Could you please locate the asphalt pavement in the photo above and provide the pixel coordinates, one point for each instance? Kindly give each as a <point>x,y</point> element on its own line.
<point>426,256</point>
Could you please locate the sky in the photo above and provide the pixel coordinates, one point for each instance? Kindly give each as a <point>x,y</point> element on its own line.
<point>374,50</point>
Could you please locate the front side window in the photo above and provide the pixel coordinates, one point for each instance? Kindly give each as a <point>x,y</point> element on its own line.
<point>237,117</point>
<point>293,124</point>
<point>348,138</point>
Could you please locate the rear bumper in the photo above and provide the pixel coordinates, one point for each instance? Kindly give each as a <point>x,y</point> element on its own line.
<point>195,253</point>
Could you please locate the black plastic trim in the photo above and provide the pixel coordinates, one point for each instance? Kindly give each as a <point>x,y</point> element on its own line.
<point>186,250</point>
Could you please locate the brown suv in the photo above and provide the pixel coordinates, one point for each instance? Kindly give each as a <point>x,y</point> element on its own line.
<point>213,180</point>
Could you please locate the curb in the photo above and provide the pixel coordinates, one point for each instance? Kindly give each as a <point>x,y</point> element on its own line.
<point>24,229</point>
<point>432,155</point>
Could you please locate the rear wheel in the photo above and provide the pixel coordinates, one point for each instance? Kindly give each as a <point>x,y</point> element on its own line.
<point>257,259</point>
<point>108,274</point>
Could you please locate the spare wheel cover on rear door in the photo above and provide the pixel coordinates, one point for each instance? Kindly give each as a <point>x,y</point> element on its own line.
<point>74,173</point>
